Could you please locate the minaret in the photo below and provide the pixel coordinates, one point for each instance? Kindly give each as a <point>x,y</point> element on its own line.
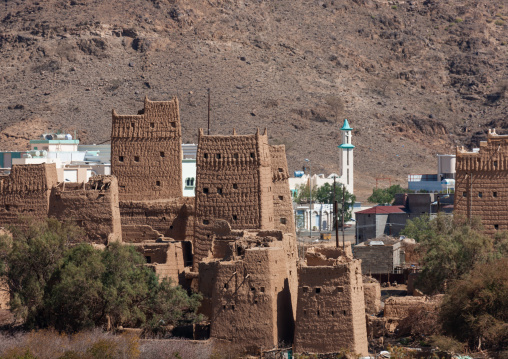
<point>346,149</point>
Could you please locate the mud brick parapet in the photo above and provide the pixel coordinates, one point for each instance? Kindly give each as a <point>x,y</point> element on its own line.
<point>233,183</point>
<point>146,154</point>
<point>331,309</point>
<point>26,192</point>
<point>481,183</point>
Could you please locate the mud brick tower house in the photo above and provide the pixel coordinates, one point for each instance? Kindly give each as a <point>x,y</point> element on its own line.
<point>330,314</point>
<point>481,182</point>
<point>233,183</point>
<point>146,154</point>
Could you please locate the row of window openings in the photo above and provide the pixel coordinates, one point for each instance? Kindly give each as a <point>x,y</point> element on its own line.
<point>318,312</point>
<point>152,124</point>
<point>235,155</point>
<point>480,194</point>
<point>136,158</point>
<point>318,289</point>
<point>206,190</point>
<point>235,218</point>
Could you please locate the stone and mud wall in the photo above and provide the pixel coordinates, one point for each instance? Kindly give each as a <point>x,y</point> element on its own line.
<point>146,154</point>
<point>93,206</point>
<point>233,183</point>
<point>481,183</point>
<point>26,192</point>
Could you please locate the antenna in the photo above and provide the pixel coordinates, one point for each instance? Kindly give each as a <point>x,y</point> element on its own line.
<point>208,111</point>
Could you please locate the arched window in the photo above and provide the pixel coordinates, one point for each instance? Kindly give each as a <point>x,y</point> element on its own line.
<point>189,182</point>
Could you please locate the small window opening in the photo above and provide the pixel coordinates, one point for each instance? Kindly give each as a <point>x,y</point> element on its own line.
<point>235,156</point>
<point>333,313</point>
<point>158,183</point>
<point>340,289</point>
<point>163,154</point>
<point>252,155</point>
<point>206,221</point>
<point>344,312</point>
<point>495,163</point>
<point>132,124</point>
<point>226,286</point>
<point>281,170</point>
<point>170,227</point>
<point>262,289</point>
<point>253,289</point>
<point>480,194</point>
<point>283,220</point>
<point>318,290</point>
<point>281,198</point>
<point>205,190</point>
<point>494,194</point>
<point>148,259</point>
<point>152,125</point>
<point>464,194</point>
<point>304,312</point>
<point>305,289</point>
<point>205,155</point>
<point>224,307</point>
<point>233,307</point>
<point>219,190</point>
<point>235,217</point>
<point>235,186</point>
<point>255,301</point>
<point>318,312</point>
<point>120,158</point>
<point>496,226</point>
<point>136,158</point>
<point>217,156</point>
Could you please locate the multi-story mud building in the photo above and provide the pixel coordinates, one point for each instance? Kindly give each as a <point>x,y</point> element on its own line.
<point>481,182</point>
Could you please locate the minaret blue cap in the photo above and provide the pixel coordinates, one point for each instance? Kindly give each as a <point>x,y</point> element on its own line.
<point>346,127</point>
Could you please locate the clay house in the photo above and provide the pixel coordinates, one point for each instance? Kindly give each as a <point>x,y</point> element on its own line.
<point>481,182</point>
<point>330,313</point>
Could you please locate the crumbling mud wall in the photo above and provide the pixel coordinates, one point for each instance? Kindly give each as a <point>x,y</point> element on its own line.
<point>481,183</point>
<point>92,206</point>
<point>397,308</point>
<point>331,310</point>
<point>4,288</point>
<point>372,291</point>
<point>172,218</point>
<point>26,192</point>
<point>146,154</point>
<point>251,300</point>
<point>167,258</point>
<point>233,183</point>
<point>282,203</point>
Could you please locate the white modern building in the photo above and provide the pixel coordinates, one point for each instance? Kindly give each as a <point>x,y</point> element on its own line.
<point>189,152</point>
<point>442,181</point>
<point>346,176</point>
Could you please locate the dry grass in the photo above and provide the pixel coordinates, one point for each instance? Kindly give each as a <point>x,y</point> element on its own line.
<point>48,344</point>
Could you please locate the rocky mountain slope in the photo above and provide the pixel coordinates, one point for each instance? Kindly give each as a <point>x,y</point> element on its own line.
<point>414,78</point>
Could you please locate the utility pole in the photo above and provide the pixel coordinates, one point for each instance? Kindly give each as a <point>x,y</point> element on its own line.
<point>343,205</point>
<point>209,111</point>
<point>335,216</point>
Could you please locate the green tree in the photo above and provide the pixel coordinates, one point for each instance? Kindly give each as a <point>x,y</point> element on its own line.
<point>28,260</point>
<point>386,195</point>
<point>303,193</point>
<point>475,308</point>
<point>324,194</point>
<point>80,287</point>
<point>450,248</point>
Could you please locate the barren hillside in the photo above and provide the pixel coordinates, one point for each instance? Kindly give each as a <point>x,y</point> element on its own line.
<point>414,78</point>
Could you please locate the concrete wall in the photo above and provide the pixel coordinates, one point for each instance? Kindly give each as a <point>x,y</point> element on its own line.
<point>378,259</point>
<point>146,153</point>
